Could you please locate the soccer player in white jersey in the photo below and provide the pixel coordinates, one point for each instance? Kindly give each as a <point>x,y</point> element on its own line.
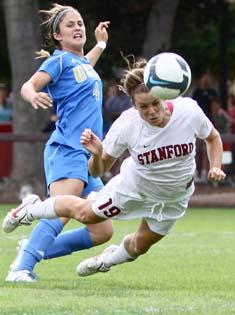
<point>155,183</point>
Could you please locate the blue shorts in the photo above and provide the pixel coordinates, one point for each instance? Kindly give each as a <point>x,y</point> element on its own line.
<point>61,161</point>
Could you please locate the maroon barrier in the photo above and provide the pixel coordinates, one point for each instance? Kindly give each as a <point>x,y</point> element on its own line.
<point>6,152</point>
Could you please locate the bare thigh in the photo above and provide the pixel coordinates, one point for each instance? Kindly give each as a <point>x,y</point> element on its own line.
<point>66,186</point>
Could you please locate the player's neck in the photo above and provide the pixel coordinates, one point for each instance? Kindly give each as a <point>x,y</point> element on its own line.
<point>77,52</point>
<point>167,116</point>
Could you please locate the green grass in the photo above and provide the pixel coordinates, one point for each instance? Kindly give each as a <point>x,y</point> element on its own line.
<point>191,271</point>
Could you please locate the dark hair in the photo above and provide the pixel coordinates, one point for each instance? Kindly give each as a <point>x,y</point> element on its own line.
<point>51,21</point>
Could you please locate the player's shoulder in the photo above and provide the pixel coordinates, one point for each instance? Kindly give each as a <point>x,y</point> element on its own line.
<point>184,100</point>
<point>70,59</point>
<point>187,109</point>
<point>185,104</point>
<point>129,115</point>
<point>65,56</point>
<point>56,57</point>
<point>127,120</point>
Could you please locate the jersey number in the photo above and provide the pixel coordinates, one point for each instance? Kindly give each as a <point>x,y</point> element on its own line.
<point>96,91</point>
<point>111,211</point>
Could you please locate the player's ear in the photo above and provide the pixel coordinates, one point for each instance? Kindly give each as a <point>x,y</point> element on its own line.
<point>56,36</point>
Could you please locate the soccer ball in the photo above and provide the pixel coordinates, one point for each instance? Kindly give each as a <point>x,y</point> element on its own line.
<point>167,76</point>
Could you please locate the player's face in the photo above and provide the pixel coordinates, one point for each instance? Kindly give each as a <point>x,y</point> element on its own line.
<point>72,35</point>
<point>150,109</point>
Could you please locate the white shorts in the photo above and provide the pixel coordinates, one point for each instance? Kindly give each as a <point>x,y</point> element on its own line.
<point>113,202</point>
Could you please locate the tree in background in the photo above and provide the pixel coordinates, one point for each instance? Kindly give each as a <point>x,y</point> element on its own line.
<point>159,27</point>
<point>188,27</point>
<point>196,34</point>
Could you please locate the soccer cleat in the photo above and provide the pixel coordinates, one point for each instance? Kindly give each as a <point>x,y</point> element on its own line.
<point>95,264</point>
<point>19,215</point>
<point>20,276</point>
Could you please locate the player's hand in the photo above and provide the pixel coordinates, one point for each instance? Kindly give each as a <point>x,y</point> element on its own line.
<point>91,142</point>
<point>216,174</point>
<point>101,33</point>
<point>41,100</point>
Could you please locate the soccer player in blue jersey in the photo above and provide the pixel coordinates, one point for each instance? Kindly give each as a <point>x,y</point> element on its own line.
<point>68,81</point>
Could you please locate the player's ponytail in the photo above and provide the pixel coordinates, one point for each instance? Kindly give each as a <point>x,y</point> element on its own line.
<point>133,78</point>
<point>42,54</point>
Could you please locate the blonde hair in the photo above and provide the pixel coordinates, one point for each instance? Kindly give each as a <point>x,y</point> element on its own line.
<point>132,80</point>
<point>51,21</point>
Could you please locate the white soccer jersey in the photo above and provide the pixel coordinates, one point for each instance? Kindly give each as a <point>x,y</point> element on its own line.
<point>161,163</point>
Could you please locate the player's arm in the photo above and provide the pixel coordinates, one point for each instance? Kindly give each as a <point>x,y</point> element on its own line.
<point>100,162</point>
<point>101,36</point>
<point>215,153</point>
<point>30,90</point>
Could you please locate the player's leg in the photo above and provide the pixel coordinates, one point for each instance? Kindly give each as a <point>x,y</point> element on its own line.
<point>47,230</point>
<point>42,237</point>
<point>132,246</point>
<point>78,239</point>
<point>67,206</point>
<point>58,181</point>
<point>84,237</point>
<point>138,243</point>
<point>70,206</point>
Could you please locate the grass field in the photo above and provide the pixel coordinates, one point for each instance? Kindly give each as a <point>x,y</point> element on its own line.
<point>191,271</point>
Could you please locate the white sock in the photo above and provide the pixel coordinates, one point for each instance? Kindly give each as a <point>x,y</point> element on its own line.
<point>118,256</point>
<point>44,209</point>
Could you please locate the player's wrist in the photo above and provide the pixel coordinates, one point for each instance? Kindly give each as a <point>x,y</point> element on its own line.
<point>101,44</point>
<point>98,153</point>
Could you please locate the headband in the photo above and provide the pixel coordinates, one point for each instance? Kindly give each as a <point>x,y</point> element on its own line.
<point>58,17</point>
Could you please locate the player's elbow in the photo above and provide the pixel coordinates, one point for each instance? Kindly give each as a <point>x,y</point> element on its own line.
<point>95,169</point>
<point>95,173</point>
<point>214,136</point>
<point>22,91</point>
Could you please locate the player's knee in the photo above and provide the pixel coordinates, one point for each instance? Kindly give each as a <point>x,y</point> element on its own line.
<point>81,217</point>
<point>140,250</point>
<point>102,238</point>
<point>101,233</point>
<point>106,235</point>
<point>139,246</point>
<point>81,213</point>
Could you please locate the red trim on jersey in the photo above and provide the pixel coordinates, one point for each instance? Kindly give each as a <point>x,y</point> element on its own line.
<point>170,106</point>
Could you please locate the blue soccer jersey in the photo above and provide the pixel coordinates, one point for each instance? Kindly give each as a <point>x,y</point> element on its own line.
<point>76,89</point>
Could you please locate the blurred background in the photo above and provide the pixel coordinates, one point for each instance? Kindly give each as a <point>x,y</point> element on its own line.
<point>203,32</point>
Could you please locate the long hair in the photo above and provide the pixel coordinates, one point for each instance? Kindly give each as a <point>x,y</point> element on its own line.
<point>50,24</point>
